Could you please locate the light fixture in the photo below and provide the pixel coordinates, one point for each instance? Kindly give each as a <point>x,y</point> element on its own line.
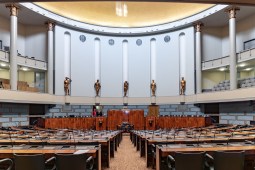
<point>24,68</point>
<point>242,65</point>
<point>3,64</point>
<point>222,69</point>
<point>248,69</point>
<point>121,9</point>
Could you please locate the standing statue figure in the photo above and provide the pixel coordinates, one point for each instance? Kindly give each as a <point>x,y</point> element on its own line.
<point>126,84</point>
<point>183,86</point>
<point>153,88</point>
<point>67,82</point>
<point>97,87</point>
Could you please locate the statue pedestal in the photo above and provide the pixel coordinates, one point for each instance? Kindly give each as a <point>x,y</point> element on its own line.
<point>182,99</point>
<point>153,100</point>
<point>125,100</point>
<point>97,100</point>
<point>67,99</point>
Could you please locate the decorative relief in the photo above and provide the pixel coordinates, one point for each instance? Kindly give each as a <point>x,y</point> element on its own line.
<point>82,38</point>
<point>139,42</point>
<point>111,41</point>
<point>167,38</point>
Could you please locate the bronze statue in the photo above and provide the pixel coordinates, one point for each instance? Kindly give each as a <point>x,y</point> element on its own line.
<point>67,82</point>
<point>97,87</point>
<point>183,86</point>
<point>126,84</point>
<point>153,88</point>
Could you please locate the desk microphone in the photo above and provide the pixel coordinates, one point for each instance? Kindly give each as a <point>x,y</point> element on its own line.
<point>74,140</point>
<point>10,136</point>
<point>40,138</point>
<point>232,135</point>
<point>199,137</point>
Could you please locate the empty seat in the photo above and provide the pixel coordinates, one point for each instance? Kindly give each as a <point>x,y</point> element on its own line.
<point>228,160</point>
<point>186,161</point>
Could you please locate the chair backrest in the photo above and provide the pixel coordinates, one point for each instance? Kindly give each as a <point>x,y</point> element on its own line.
<point>189,161</point>
<point>229,160</point>
<point>70,161</point>
<point>29,162</point>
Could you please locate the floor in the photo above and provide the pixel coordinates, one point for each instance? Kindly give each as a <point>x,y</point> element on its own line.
<point>127,158</point>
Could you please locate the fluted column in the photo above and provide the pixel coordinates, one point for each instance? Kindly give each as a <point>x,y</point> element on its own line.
<point>13,45</point>
<point>232,46</point>
<point>50,27</point>
<point>198,57</point>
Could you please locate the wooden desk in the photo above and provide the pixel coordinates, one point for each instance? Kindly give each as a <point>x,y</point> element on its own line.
<point>163,151</point>
<point>7,151</point>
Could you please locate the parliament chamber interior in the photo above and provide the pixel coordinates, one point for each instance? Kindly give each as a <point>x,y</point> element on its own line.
<point>127,85</point>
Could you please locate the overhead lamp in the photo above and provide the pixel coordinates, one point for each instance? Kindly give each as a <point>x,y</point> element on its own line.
<point>248,69</point>
<point>24,68</point>
<point>3,64</point>
<point>222,69</point>
<point>242,65</point>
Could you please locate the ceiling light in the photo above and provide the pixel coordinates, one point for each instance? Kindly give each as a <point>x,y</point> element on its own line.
<point>3,64</point>
<point>222,69</point>
<point>248,69</point>
<point>121,9</point>
<point>242,65</point>
<point>24,68</point>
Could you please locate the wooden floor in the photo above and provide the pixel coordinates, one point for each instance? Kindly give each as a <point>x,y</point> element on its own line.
<point>127,158</point>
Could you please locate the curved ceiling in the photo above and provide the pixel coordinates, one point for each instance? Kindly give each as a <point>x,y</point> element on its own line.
<point>124,14</point>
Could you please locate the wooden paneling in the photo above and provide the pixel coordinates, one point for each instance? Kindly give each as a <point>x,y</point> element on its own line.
<point>136,118</point>
<point>180,122</point>
<point>153,110</point>
<point>70,123</point>
<point>101,123</point>
<point>150,123</point>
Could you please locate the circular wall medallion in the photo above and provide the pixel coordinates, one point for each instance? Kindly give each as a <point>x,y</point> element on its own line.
<point>82,38</point>
<point>167,38</point>
<point>111,41</point>
<point>139,42</point>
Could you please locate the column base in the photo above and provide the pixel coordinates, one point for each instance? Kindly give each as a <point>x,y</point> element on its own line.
<point>182,99</point>
<point>125,101</point>
<point>97,100</point>
<point>67,99</point>
<point>153,100</point>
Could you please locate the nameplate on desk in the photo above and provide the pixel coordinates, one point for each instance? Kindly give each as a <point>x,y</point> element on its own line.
<point>80,152</point>
<point>205,146</point>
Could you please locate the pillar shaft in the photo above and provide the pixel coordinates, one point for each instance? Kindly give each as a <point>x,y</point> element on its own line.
<point>13,46</point>
<point>198,58</point>
<point>232,47</point>
<point>50,26</point>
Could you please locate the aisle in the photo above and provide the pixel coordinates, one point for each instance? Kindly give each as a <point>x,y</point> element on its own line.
<point>127,158</point>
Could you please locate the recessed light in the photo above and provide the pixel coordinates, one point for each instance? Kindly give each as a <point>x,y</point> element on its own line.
<point>242,65</point>
<point>222,69</point>
<point>3,64</point>
<point>248,69</point>
<point>24,68</point>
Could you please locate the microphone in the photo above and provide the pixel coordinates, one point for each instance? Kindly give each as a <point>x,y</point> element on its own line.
<point>74,140</point>
<point>199,137</point>
<point>232,135</point>
<point>40,138</point>
<point>10,136</point>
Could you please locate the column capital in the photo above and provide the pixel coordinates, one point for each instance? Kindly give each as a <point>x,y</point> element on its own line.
<point>50,25</point>
<point>13,9</point>
<point>198,26</point>
<point>232,11</point>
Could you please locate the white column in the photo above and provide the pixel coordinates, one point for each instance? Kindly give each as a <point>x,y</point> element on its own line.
<point>125,60</point>
<point>50,27</point>
<point>182,54</point>
<point>153,59</point>
<point>13,46</point>
<point>97,59</point>
<point>232,45</point>
<point>198,58</point>
<point>67,55</point>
